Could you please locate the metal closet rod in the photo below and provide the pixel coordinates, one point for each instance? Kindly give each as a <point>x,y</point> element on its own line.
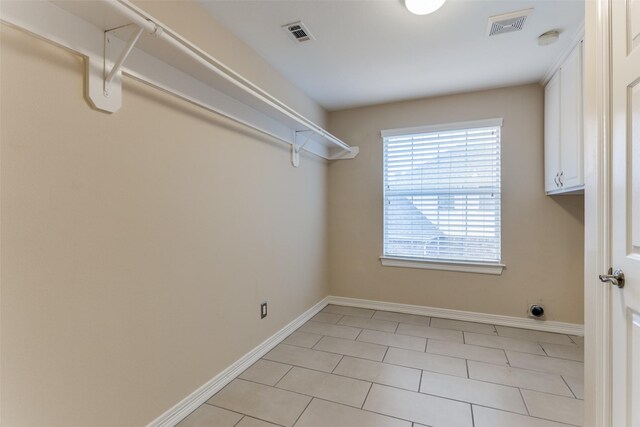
<point>130,12</point>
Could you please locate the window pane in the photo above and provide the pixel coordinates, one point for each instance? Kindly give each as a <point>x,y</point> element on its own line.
<point>442,195</point>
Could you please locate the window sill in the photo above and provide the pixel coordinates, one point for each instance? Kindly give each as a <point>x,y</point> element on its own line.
<point>463,267</point>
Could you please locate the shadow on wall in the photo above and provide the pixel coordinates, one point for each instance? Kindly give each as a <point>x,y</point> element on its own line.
<point>193,111</point>
<point>573,204</point>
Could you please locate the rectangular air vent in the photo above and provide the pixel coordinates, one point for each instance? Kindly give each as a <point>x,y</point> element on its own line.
<point>508,22</point>
<point>298,31</point>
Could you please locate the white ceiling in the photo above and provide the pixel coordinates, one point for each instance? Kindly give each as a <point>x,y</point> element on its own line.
<point>375,51</point>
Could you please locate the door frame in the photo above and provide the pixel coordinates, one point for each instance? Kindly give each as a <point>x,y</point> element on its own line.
<point>597,157</point>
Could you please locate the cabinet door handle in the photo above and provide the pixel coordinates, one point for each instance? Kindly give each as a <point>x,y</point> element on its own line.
<point>560,179</point>
<point>556,180</point>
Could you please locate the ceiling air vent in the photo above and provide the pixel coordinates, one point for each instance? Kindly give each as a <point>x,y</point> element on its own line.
<point>508,22</point>
<point>298,32</point>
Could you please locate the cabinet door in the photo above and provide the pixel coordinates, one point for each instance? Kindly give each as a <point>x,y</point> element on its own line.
<point>552,133</point>
<point>571,161</point>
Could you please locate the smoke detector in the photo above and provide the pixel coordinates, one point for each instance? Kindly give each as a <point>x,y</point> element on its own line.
<point>298,32</point>
<point>548,38</point>
<point>508,22</point>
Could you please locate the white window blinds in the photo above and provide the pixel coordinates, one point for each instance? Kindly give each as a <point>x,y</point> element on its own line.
<point>442,192</point>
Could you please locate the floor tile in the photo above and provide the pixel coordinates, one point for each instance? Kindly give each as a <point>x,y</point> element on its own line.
<point>324,414</point>
<point>210,416</point>
<point>487,417</point>
<point>380,373</point>
<point>330,330</point>
<point>421,408</point>
<point>393,340</point>
<point>523,346</point>
<point>351,348</point>
<point>539,336</point>
<point>466,351</point>
<point>427,332</point>
<point>546,364</point>
<point>459,325</point>
<point>426,361</point>
<point>350,311</point>
<point>522,378</point>
<point>472,391</point>
<point>334,388</point>
<point>265,372</point>
<point>555,408</point>
<point>326,317</point>
<point>260,401</point>
<point>570,352</point>
<point>302,339</point>
<point>375,324</point>
<point>576,385</point>
<point>252,422</point>
<point>411,319</point>
<point>305,357</point>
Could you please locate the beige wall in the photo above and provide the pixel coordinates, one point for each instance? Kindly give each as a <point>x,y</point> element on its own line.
<point>542,236</point>
<point>137,246</point>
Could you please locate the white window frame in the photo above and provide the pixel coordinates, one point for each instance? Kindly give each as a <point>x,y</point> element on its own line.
<point>494,268</point>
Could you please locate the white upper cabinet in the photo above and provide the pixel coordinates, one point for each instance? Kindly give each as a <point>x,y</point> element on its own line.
<point>563,127</point>
<point>552,133</point>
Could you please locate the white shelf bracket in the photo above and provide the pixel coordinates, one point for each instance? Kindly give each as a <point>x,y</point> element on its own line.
<point>121,58</point>
<point>104,75</point>
<point>297,146</point>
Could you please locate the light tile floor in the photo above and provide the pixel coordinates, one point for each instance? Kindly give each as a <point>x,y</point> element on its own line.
<point>353,367</point>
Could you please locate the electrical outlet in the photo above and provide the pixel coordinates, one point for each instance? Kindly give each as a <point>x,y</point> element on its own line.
<point>263,310</point>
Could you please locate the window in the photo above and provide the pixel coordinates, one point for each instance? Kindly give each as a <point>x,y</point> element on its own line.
<point>442,197</point>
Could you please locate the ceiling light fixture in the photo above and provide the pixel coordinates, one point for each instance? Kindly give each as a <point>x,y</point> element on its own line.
<point>423,7</point>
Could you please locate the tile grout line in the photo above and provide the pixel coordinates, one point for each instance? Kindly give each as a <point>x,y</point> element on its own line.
<point>338,364</point>
<point>281,378</point>
<point>244,415</point>
<point>385,354</point>
<point>305,408</point>
<point>569,387</point>
<point>367,396</point>
<point>332,401</point>
<point>543,349</point>
<point>366,410</point>
<point>241,418</point>
<point>473,421</point>
<point>526,407</point>
<point>505,357</point>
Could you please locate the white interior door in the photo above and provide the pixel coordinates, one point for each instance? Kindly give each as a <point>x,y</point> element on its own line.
<point>625,215</point>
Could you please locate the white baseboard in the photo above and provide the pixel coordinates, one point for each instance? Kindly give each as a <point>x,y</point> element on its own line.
<point>189,404</point>
<point>469,316</point>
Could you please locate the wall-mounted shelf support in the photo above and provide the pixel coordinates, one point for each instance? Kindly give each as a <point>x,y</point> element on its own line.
<point>101,31</point>
<point>115,69</point>
<point>300,139</point>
